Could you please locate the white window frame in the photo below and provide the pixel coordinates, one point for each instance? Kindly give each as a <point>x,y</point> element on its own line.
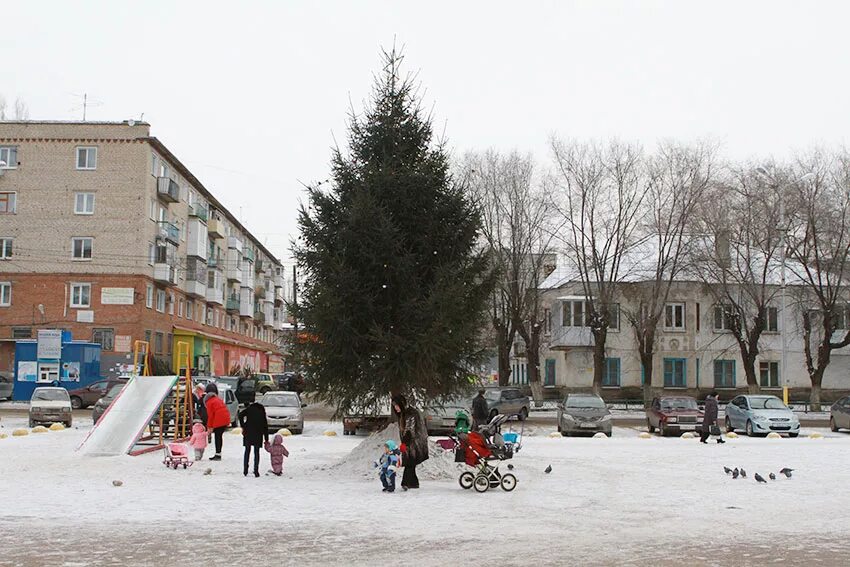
<point>79,304</point>
<point>170,303</point>
<point>160,300</point>
<point>82,239</point>
<point>88,166</point>
<point>11,163</point>
<point>13,200</point>
<point>568,321</point>
<point>673,307</point>
<point>180,307</point>
<point>727,313</point>
<point>85,201</point>
<point>190,309</point>
<point>6,247</point>
<point>149,296</point>
<point>767,327</point>
<point>5,294</point>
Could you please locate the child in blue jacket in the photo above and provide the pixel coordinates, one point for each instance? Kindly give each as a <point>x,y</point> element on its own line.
<point>389,463</point>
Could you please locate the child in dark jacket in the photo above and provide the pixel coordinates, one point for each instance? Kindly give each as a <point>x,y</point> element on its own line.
<point>277,452</point>
<point>389,463</point>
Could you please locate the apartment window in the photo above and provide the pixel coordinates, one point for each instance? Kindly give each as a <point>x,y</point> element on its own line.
<point>614,316</point>
<point>772,323</point>
<point>841,317</point>
<point>171,303</point>
<point>83,203</point>
<point>180,308</point>
<point>8,202</point>
<point>674,317</point>
<point>158,339</point>
<point>573,314</point>
<point>81,248</point>
<point>611,373</point>
<point>104,337</point>
<point>723,317</point>
<point>5,294</point>
<point>675,372</point>
<point>148,334</point>
<point>724,373</point>
<point>154,164</point>
<point>149,296</point>
<point>190,310</point>
<point>208,320</point>
<point>160,300</point>
<point>80,295</point>
<point>87,157</point>
<point>169,340</point>
<point>9,157</point>
<point>5,248</point>
<point>21,332</point>
<point>769,374</point>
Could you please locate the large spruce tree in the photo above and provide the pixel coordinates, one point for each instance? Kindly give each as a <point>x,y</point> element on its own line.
<point>395,282</point>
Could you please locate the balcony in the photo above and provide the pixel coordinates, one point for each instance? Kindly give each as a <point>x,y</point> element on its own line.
<point>260,317</point>
<point>198,212</point>
<point>260,292</point>
<point>278,280</point>
<point>233,243</point>
<point>214,262</point>
<point>169,232</point>
<point>167,189</point>
<point>165,273</point>
<point>215,295</point>
<point>196,238</point>
<point>247,277</point>
<point>234,273</point>
<point>249,254</point>
<point>232,305</point>
<point>260,265</point>
<point>568,338</point>
<point>196,278</point>
<point>246,309</point>
<point>268,315</point>
<point>215,228</point>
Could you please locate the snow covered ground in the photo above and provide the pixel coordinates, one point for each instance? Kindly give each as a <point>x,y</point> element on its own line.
<point>618,501</point>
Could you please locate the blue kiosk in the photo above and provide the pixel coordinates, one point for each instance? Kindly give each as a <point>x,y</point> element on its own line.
<point>54,358</point>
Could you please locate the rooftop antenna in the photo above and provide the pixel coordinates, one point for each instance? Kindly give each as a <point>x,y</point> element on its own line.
<point>87,102</point>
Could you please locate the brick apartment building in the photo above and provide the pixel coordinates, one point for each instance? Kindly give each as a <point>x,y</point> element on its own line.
<point>105,233</point>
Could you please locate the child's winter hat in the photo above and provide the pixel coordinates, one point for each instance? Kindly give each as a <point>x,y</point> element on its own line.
<point>391,445</point>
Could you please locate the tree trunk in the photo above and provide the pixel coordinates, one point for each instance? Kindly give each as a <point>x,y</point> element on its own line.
<point>532,355</point>
<point>646,364</point>
<point>504,343</point>
<point>817,380</point>
<point>749,364</point>
<point>599,338</point>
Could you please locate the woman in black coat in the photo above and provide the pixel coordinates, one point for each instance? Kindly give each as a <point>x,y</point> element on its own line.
<point>709,418</point>
<point>255,430</point>
<point>414,435</point>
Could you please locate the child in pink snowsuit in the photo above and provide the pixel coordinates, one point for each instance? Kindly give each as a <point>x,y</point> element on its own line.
<point>277,452</point>
<point>198,440</point>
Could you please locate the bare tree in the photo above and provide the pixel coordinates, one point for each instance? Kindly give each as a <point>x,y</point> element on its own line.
<point>677,179</point>
<point>2,107</point>
<point>819,245</point>
<point>514,211</point>
<point>601,192</point>
<point>22,111</point>
<point>738,260</point>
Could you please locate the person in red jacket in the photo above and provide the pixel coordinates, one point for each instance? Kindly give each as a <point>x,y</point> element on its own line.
<point>218,418</point>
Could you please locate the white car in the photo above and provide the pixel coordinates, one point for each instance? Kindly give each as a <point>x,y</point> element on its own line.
<point>50,405</point>
<point>283,409</point>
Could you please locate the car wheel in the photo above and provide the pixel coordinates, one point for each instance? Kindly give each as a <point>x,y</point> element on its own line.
<point>466,480</point>
<point>793,434</point>
<point>481,483</point>
<point>508,482</point>
<point>729,428</point>
<point>523,414</point>
<point>608,433</point>
<point>76,402</point>
<point>649,426</point>
<point>560,430</point>
<point>832,425</point>
<point>32,424</point>
<point>750,432</point>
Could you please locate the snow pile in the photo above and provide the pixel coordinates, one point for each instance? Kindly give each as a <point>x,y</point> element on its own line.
<point>20,432</point>
<point>645,435</point>
<point>600,435</point>
<point>815,436</point>
<point>57,427</point>
<point>39,429</point>
<point>329,433</point>
<point>3,435</point>
<point>774,435</point>
<point>284,432</point>
<point>359,463</point>
<point>731,435</point>
<point>688,435</point>
<point>555,435</point>
<point>236,431</point>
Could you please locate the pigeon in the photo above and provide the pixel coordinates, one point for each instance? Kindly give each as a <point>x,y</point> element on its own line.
<point>548,469</point>
<point>772,476</point>
<point>510,467</point>
<point>207,472</point>
<point>727,470</point>
<point>735,473</point>
<point>760,478</point>
<point>743,473</point>
<point>786,471</point>
<point>117,483</point>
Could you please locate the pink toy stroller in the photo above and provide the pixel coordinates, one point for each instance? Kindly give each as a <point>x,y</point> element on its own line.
<point>176,454</point>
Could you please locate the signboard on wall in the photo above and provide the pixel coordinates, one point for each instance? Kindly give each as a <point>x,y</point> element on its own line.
<point>49,344</point>
<point>85,316</point>
<point>122,343</point>
<point>27,371</point>
<point>117,295</point>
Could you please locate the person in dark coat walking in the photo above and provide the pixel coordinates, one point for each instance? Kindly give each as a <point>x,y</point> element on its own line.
<point>414,436</point>
<point>709,419</point>
<point>255,432</point>
<point>480,413</point>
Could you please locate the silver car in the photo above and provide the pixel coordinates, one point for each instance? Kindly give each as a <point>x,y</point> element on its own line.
<point>839,414</point>
<point>6,385</point>
<point>583,413</point>
<point>760,415</point>
<point>507,401</point>
<point>283,409</point>
<point>440,415</point>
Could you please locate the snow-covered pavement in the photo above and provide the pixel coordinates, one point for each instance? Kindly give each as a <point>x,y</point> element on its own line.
<point>623,501</point>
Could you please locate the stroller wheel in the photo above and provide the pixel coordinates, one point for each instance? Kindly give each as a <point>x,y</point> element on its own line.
<point>466,480</point>
<point>508,482</point>
<point>481,483</point>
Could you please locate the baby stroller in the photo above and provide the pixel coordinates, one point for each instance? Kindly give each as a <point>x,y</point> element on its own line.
<point>481,447</point>
<point>176,454</point>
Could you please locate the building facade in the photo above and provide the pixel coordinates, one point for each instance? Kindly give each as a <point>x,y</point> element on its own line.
<point>105,233</point>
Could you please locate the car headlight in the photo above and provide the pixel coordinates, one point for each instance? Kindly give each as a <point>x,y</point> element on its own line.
<point>672,419</point>
<point>569,417</point>
<point>66,410</point>
<point>760,418</point>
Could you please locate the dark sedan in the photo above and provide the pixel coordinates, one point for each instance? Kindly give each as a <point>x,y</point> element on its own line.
<point>673,414</point>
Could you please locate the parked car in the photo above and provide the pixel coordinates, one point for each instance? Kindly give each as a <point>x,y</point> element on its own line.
<point>759,415</point>
<point>100,405</point>
<point>839,414</point>
<point>264,382</point>
<point>290,382</point>
<point>507,401</point>
<point>86,396</point>
<point>243,388</point>
<point>283,409</point>
<point>372,418</point>
<point>673,414</point>
<point>7,384</point>
<point>50,405</point>
<point>440,415</point>
<point>584,413</point>
<point>229,399</point>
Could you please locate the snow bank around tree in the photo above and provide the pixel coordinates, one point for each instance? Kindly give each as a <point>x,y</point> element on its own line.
<point>359,463</point>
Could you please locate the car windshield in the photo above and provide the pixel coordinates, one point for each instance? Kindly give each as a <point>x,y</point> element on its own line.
<point>679,404</point>
<point>280,401</point>
<point>232,382</point>
<point>115,390</point>
<point>768,402</point>
<point>52,395</point>
<point>585,402</point>
<point>453,403</point>
<point>493,395</point>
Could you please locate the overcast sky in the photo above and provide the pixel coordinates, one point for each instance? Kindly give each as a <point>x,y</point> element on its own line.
<point>251,94</point>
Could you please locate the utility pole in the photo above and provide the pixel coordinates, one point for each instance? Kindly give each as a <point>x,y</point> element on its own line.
<point>294,301</point>
<point>782,371</point>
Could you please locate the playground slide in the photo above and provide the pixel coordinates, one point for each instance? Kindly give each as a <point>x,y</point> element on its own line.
<point>123,423</point>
